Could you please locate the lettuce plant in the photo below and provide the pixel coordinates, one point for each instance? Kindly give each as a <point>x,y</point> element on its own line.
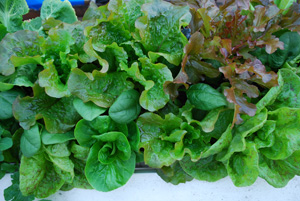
<point>192,89</point>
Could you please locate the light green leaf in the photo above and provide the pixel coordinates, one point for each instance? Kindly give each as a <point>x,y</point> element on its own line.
<point>168,19</point>
<point>287,139</point>
<point>273,173</point>
<point>50,138</point>
<point>240,132</point>
<point>11,13</point>
<point>88,110</point>
<point>207,169</point>
<point>86,131</point>
<point>106,177</point>
<point>154,98</point>
<point>243,167</point>
<point>100,88</point>
<point>58,10</point>
<point>289,96</point>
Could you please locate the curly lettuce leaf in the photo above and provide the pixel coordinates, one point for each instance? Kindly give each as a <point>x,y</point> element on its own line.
<point>207,169</point>
<point>174,174</point>
<point>59,114</point>
<point>100,88</point>
<point>28,45</point>
<point>168,42</point>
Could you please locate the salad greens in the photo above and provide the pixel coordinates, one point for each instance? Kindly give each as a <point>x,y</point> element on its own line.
<point>195,90</point>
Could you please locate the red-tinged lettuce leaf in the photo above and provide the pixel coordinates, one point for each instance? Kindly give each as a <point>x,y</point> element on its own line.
<point>206,169</point>
<point>59,114</point>
<point>100,88</point>
<point>263,15</point>
<point>21,44</point>
<point>238,75</point>
<point>174,174</point>
<point>168,42</point>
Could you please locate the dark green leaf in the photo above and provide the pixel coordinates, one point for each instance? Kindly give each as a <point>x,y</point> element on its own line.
<point>6,100</point>
<point>30,141</point>
<point>126,108</point>
<point>204,97</point>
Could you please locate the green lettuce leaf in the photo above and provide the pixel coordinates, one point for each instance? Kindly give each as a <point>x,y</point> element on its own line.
<point>204,97</point>
<point>152,127</point>
<point>86,131</point>
<point>110,163</point>
<point>154,98</point>
<point>174,174</point>
<point>88,110</point>
<point>207,169</point>
<point>289,95</point>
<point>242,167</point>
<point>6,100</point>
<point>30,142</point>
<point>126,108</point>
<point>59,10</point>
<point>24,75</point>
<point>28,45</point>
<point>273,173</point>
<point>168,19</point>
<point>127,11</point>
<point>59,114</point>
<point>100,88</point>
<point>286,133</point>
<point>54,138</point>
<point>11,14</point>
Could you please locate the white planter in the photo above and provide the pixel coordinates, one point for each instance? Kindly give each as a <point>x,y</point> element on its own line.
<point>150,187</point>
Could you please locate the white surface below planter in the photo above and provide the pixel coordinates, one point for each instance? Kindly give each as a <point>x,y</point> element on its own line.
<point>150,187</point>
